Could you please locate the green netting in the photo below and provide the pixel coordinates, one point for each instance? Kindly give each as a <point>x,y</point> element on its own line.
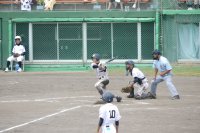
<point>22,29</point>
<point>44,42</point>
<point>173,35</point>
<point>70,41</point>
<point>64,41</point>
<point>99,39</point>
<point>0,43</point>
<point>125,40</point>
<point>147,30</point>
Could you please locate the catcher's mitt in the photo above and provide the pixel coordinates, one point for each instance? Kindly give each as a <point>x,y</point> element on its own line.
<point>127,89</point>
<point>16,55</point>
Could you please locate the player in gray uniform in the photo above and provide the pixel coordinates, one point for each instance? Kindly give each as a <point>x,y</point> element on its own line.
<point>162,65</point>
<point>102,75</point>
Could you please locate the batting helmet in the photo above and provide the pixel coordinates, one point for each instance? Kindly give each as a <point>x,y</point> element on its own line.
<point>156,52</point>
<point>18,37</point>
<point>108,97</point>
<point>96,56</point>
<point>129,62</point>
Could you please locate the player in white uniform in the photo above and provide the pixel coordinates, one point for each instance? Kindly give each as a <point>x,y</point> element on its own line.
<point>140,82</point>
<point>102,75</point>
<point>109,115</point>
<point>18,54</point>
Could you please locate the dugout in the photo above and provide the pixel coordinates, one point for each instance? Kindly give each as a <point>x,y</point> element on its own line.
<point>59,38</point>
<point>72,37</point>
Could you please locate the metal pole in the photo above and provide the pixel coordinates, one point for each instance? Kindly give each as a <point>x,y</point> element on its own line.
<point>84,39</point>
<point>138,1</point>
<point>139,34</point>
<point>112,40</point>
<point>10,36</point>
<point>58,45</point>
<point>157,29</point>
<point>30,42</point>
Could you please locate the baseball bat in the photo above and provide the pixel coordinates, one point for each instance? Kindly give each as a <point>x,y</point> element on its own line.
<point>111,60</point>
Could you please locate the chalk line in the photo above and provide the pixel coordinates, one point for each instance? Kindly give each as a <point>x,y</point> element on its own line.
<point>39,119</point>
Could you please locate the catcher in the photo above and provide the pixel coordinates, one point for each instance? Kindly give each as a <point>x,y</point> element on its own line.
<point>102,75</point>
<point>18,54</point>
<point>140,82</point>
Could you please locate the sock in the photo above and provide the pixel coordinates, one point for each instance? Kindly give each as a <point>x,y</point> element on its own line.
<point>20,64</point>
<point>8,64</point>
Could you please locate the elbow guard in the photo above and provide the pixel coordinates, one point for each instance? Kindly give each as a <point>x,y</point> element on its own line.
<point>100,122</point>
<point>95,66</point>
<point>117,123</point>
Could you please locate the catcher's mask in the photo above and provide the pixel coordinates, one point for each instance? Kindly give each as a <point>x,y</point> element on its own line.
<point>129,65</point>
<point>108,97</point>
<point>96,56</point>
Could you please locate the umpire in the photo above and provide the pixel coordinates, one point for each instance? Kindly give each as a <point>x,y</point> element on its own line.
<point>162,65</point>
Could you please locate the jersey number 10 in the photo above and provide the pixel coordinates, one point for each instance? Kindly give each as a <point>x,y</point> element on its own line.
<point>112,113</point>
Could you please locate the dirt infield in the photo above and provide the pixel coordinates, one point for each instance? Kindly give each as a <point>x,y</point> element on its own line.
<point>64,103</point>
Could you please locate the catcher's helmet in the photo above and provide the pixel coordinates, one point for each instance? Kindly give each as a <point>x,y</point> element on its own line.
<point>108,97</point>
<point>129,62</point>
<point>157,52</point>
<point>96,56</point>
<point>18,37</point>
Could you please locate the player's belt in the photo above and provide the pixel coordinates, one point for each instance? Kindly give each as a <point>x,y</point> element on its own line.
<point>143,78</point>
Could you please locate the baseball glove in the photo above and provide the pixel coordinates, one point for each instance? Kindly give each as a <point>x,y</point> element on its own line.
<point>127,89</point>
<point>16,55</point>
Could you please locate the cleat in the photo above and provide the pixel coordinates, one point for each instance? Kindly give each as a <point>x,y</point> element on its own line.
<point>6,70</point>
<point>130,96</point>
<point>19,70</point>
<point>137,97</point>
<point>176,97</point>
<point>118,98</point>
<point>151,96</point>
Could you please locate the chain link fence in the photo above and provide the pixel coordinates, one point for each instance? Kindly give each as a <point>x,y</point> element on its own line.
<point>22,29</point>
<point>181,37</point>
<point>127,5</point>
<point>64,41</point>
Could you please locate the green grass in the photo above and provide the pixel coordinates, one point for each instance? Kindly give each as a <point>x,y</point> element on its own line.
<point>116,69</point>
<point>178,70</point>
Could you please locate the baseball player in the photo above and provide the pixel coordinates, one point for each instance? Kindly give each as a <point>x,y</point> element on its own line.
<point>102,75</point>
<point>140,82</point>
<point>162,65</point>
<point>109,115</point>
<point>18,54</point>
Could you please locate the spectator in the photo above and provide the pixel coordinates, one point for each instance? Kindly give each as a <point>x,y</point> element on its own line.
<point>115,2</point>
<point>49,4</point>
<point>196,4</point>
<point>25,4</point>
<point>193,3</point>
<point>18,54</point>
